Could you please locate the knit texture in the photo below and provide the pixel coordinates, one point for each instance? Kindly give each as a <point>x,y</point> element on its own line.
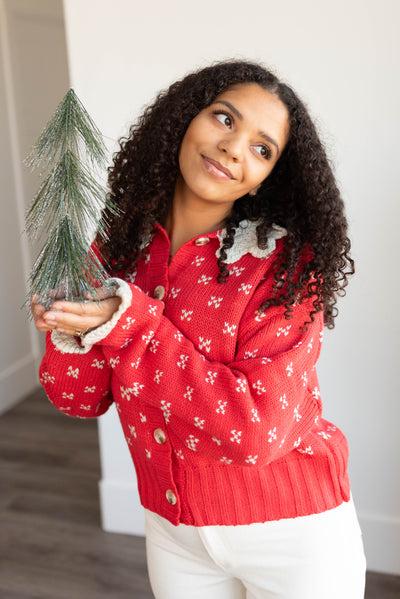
<point>219,403</point>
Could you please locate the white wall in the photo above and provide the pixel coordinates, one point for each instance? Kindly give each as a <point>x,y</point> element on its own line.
<point>341,57</point>
<point>33,78</point>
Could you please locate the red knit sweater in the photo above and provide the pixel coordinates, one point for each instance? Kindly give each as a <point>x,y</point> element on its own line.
<point>219,404</point>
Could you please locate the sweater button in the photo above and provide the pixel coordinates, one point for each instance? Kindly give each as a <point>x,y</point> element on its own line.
<point>159,292</point>
<point>201,241</point>
<point>171,497</point>
<point>160,436</point>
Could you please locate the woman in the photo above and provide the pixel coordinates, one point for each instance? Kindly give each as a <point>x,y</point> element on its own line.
<point>228,257</point>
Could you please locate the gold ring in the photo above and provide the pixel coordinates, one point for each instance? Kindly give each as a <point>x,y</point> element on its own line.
<point>81,333</point>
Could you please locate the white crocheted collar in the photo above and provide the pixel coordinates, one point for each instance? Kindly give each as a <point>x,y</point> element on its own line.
<point>246,241</point>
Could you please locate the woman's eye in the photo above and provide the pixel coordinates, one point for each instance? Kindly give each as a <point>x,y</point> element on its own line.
<point>224,118</point>
<point>264,151</point>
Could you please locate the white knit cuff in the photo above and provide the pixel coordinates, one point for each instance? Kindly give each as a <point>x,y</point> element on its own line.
<point>67,344</point>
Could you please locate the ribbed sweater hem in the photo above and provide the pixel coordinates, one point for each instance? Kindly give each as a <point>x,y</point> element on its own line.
<point>290,488</point>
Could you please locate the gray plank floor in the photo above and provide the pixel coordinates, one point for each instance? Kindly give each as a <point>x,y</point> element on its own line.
<point>51,543</point>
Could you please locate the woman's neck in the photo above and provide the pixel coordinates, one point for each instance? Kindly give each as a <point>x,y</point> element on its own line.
<point>190,216</point>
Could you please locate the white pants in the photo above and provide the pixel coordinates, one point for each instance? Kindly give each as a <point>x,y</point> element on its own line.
<point>312,557</point>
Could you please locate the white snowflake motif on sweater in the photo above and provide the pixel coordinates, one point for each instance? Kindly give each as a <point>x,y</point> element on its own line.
<point>67,395</point>
<point>251,459</point>
<point>173,293</point>
<point>148,338</point>
<point>308,450</point>
<point>98,364</point>
<point>215,301</point>
<point>142,417</point>
<point>259,315</point>
<point>129,322</point>
<point>47,378</point>
<point>211,377</point>
<point>154,345</point>
<point>316,393</point>
<point>297,443</point>
<point>283,331</point>
<point>131,277</point>
<point>283,401</point>
<point>148,453</point>
<point>85,407</point>
<point>217,441</point>
<point>198,260</point>
<point>236,270</point>
<point>136,364</point>
<point>321,336</point>
<point>126,392</point>
<point>250,354</point>
<point>192,442</point>
<point>242,385</point>
<point>266,361</point>
<point>199,423</point>
<point>236,436</point>
<point>324,435</point>
<point>188,394</point>
<point>72,372</point>
<point>178,335</point>
<point>304,378</point>
<point>204,344</point>
<point>186,315</point>
<point>225,460</point>
<point>255,417</point>
<point>179,454</point>
<point>158,376</point>
<point>245,288</point>
<point>90,389</point>
<point>289,369</point>
<point>222,406</point>
<point>258,386</point>
<point>230,329</point>
<point>153,310</point>
<point>165,408</point>
<point>182,361</point>
<point>204,279</point>
<point>272,435</point>
<point>132,430</point>
<point>296,415</point>
<point>310,345</point>
<point>114,362</point>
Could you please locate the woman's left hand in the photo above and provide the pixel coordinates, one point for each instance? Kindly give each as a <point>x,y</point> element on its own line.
<point>77,318</point>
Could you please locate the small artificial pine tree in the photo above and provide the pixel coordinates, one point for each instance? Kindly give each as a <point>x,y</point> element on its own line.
<point>68,205</point>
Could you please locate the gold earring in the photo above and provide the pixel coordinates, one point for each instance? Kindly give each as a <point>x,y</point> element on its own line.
<point>253,192</point>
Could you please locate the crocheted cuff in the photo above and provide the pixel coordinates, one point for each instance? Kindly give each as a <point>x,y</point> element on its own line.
<point>67,344</point>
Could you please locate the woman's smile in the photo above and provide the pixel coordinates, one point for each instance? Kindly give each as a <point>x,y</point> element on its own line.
<point>216,169</point>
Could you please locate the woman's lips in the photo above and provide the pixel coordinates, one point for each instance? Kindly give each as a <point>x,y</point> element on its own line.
<point>217,169</point>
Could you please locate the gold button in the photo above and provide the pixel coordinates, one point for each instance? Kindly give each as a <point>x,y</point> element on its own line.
<point>170,495</point>
<point>159,292</point>
<point>201,241</point>
<point>160,436</point>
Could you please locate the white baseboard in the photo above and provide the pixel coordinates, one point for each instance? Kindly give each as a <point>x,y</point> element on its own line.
<point>121,510</point>
<point>17,381</point>
<point>381,542</point>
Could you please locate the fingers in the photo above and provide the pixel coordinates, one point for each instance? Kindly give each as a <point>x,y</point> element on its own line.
<point>70,317</point>
<point>37,312</point>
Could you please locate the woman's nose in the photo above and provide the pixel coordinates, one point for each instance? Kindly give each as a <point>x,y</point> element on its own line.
<point>231,146</point>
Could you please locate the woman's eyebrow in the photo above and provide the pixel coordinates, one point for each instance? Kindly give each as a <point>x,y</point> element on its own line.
<point>240,117</point>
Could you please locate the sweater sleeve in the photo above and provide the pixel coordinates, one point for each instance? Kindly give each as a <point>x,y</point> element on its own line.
<point>75,383</point>
<point>253,410</point>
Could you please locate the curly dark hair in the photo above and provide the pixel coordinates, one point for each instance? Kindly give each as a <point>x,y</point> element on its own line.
<point>300,194</point>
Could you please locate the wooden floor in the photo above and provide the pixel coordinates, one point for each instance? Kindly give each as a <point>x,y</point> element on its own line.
<point>51,543</point>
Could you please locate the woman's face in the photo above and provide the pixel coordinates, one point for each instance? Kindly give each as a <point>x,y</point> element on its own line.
<point>231,146</point>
